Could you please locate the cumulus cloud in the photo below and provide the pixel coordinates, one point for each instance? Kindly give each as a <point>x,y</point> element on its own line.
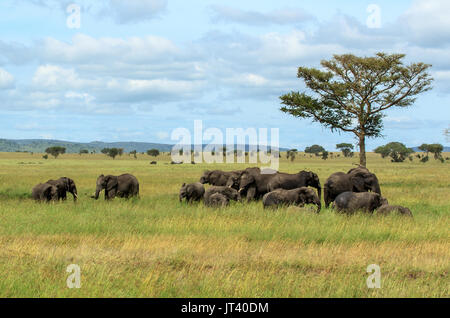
<point>6,80</point>
<point>232,15</point>
<point>85,49</point>
<point>427,22</point>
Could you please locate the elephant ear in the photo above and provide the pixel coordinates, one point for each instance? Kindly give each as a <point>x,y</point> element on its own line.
<point>358,182</point>
<point>112,183</point>
<point>47,190</point>
<point>303,194</point>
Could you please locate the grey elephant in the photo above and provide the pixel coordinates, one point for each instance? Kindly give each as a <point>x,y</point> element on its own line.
<point>299,196</point>
<point>350,202</point>
<point>289,181</point>
<point>387,209</point>
<point>192,192</point>
<point>217,200</point>
<point>219,177</point>
<point>253,183</point>
<point>123,186</point>
<point>65,185</point>
<point>230,193</point>
<point>44,192</point>
<point>357,179</point>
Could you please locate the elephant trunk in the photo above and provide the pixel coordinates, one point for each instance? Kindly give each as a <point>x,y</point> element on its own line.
<point>376,189</point>
<point>319,191</point>
<point>97,193</point>
<point>319,206</point>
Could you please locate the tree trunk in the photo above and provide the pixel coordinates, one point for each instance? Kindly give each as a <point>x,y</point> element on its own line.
<point>362,149</point>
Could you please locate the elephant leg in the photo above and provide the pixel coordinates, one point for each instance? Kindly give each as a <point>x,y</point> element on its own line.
<point>251,192</point>
<point>326,197</point>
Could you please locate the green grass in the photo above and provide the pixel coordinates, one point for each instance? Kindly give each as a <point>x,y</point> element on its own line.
<point>157,247</point>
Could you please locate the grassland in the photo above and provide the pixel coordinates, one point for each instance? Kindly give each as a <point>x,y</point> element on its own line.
<point>158,247</point>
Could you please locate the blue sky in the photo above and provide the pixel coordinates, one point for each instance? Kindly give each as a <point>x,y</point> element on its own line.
<point>136,70</point>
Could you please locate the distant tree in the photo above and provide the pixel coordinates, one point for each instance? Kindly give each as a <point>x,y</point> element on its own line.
<point>153,152</point>
<point>436,150</point>
<point>55,151</point>
<point>134,152</point>
<point>291,153</point>
<point>325,155</point>
<point>120,151</point>
<point>424,159</point>
<point>345,148</point>
<point>84,151</point>
<point>110,152</point>
<point>396,150</point>
<point>350,93</point>
<point>45,156</point>
<point>315,149</point>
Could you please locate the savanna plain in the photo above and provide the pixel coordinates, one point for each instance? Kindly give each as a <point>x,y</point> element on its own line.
<point>156,246</point>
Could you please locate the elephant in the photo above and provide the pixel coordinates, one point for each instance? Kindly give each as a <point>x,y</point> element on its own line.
<point>299,196</point>
<point>217,200</point>
<point>387,209</point>
<point>230,193</point>
<point>350,202</point>
<point>220,178</point>
<point>153,163</point>
<point>65,185</point>
<point>123,186</point>
<point>45,192</point>
<point>357,179</point>
<point>292,181</point>
<point>192,192</point>
<point>254,182</point>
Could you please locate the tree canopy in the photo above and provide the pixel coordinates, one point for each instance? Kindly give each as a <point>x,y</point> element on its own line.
<point>396,150</point>
<point>435,149</point>
<point>346,149</point>
<point>352,92</point>
<point>153,152</point>
<point>55,151</point>
<point>316,149</point>
<point>111,152</point>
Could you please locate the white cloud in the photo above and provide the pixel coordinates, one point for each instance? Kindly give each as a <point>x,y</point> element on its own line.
<point>428,22</point>
<point>85,49</point>
<point>6,80</point>
<point>53,77</point>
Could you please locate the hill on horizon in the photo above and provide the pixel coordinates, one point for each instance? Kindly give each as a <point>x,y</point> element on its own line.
<point>39,145</point>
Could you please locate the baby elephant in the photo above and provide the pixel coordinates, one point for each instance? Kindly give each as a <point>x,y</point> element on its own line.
<point>387,209</point>
<point>299,196</point>
<point>45,192</point>
<point>192,192</point>
<point>350,202</point>
<point>217,200</point>
<point>228,192</point>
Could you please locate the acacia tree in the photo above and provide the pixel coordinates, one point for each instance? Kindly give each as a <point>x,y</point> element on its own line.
<point>55,151</point>
<point>345,148</point>
<point>352,92</point>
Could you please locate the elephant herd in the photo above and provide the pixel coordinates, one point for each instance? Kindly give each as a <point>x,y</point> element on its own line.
<point>123,186</point>
<point>358,189</point>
